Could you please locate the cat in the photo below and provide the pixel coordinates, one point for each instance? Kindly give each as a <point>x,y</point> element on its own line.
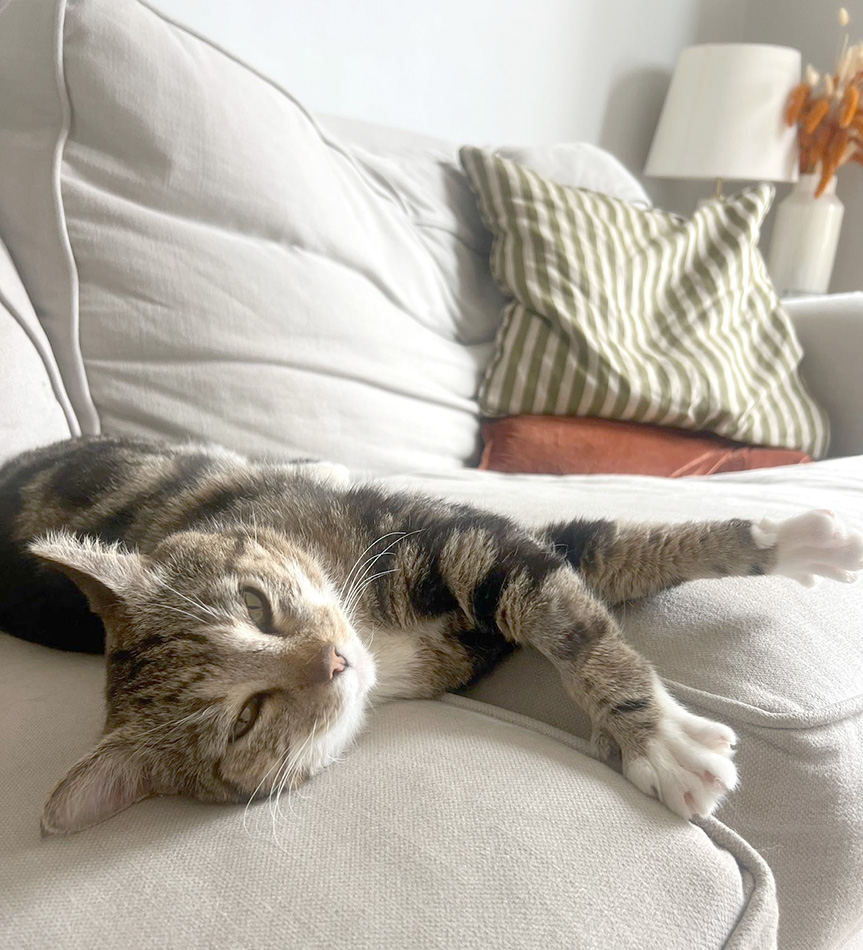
<point>252,611</point>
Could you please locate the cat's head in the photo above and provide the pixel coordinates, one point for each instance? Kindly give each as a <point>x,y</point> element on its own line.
<point>232,671</point>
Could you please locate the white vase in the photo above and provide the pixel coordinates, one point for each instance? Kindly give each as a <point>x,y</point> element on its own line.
<point>805,238</point>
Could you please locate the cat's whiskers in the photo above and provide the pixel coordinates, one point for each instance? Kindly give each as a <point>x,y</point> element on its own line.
<point>286,774</point>
<point>278,784</point>
<point>356,563</point>
<point>370,634</point>
<point>370,563</point>
<point>360,590</point>
<point>276,765</point>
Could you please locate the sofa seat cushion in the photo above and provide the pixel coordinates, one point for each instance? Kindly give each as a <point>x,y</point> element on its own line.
<point>781,664</point>
<point>449,824</point>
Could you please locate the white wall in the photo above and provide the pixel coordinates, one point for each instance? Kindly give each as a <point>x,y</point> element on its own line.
<point>517,71</point>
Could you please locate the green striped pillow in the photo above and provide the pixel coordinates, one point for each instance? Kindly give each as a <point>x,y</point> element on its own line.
<point>627,313</point>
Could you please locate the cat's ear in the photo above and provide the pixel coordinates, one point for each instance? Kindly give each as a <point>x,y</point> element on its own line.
<point>107,780</point>
<point>106,573</point>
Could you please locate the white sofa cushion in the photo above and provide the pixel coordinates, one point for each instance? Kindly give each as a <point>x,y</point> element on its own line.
<point>34,407</point>
<point>208,263</point>
<point>830,330</point>
<point>446,826</point>
<point>580,165</point>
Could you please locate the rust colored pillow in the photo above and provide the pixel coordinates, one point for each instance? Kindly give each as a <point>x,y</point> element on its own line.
<point>566,445</point>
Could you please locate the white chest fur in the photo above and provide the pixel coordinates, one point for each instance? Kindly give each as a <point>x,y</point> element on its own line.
<point>400,659</point>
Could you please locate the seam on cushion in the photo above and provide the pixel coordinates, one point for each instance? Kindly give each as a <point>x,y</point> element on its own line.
<point>758,915</point>
<point>49,364</point>
<point>757,716</point>
<point>759,920</point>
<point>392,197</point>
<point>90,418</point>
<point>517,719</point>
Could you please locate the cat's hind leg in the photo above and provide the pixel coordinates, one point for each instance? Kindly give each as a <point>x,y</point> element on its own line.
<point>621,561</point>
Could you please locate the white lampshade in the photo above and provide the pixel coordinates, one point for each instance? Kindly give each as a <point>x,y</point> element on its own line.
<point>723,115</point>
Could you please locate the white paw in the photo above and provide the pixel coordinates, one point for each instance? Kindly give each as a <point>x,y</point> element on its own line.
<point>330,473</point>
<point>688,764</point>
<point>812,545</point>
<point>333,473</point>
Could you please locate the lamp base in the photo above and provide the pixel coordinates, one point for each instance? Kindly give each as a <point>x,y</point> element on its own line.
<point>805,238</point>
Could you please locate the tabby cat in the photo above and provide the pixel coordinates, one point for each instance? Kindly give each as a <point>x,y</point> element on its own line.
<point>250,612</point>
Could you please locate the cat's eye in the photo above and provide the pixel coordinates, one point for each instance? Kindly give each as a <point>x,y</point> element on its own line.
<point>247,718</point>
<point>257,606</point>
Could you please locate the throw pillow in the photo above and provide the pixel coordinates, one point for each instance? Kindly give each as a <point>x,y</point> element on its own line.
<point>560,445</point>
<point>636,314</point>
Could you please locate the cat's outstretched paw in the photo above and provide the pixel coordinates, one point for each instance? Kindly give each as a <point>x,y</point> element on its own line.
<point>687,764</point>
<point>812,545</point>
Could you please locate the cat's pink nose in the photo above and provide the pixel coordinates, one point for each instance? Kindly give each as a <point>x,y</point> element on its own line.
<point>335,663</point>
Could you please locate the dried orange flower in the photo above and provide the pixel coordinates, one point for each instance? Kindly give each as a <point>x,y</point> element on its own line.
<point>828,113</point>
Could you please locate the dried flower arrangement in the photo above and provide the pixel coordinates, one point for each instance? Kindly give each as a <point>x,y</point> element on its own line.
<point>828,113</point>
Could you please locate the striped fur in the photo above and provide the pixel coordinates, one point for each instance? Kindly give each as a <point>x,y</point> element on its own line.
<point>250,611</point>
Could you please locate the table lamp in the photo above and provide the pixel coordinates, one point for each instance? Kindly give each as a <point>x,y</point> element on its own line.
<point>722,116</point>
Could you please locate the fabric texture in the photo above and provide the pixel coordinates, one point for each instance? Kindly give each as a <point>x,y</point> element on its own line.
<point>445,826</point>
<point>636,314</point>
<point>577,164</point>
<point>568,445</point>
<point>34,407</point>
<point>208,263</point>
<point>779,662</point>
<point>580,165</point>
<point>830,330</point>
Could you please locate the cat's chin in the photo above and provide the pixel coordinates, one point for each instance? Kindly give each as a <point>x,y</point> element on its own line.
<point>356,682</point>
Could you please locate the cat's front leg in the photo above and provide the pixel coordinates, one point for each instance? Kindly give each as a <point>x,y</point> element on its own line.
<point>682,759</point>
<point>621,561</point>
<point>688,763</point>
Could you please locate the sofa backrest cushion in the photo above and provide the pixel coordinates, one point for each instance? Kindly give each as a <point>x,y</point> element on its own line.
<point>580,165</point>
<point>34,407</point>
<point>208,263</point>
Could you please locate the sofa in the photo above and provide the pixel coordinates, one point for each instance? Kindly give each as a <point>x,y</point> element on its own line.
<point>187,253</point>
